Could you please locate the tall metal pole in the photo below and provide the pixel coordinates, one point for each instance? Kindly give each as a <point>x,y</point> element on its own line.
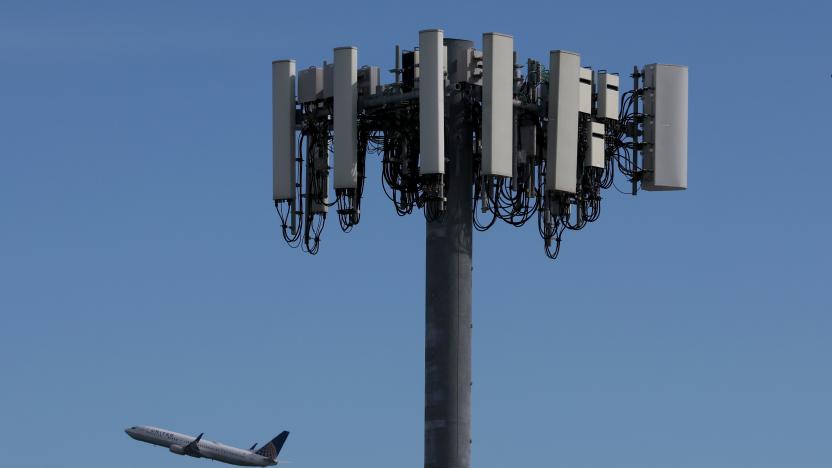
<point>448,293</point>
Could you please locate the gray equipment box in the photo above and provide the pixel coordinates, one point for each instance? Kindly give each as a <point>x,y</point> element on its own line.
<point>585,90</point>
<point>368,80</point>
<point>595,156</point>
<point>329,72</point>
<point>607,96</point>
<point>310,84</point>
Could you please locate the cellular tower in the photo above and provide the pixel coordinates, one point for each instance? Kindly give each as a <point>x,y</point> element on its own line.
<point>468,137</point>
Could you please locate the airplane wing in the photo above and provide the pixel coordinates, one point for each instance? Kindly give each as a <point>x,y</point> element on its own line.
<point>192,449</point>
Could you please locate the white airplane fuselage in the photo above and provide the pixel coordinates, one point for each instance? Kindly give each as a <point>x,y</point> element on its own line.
<point>177,443</point>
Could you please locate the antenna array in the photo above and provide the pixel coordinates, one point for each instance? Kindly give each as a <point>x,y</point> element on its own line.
<point>547,138</point>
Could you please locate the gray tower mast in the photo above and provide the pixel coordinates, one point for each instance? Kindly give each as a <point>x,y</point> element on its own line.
<point>448,293</point>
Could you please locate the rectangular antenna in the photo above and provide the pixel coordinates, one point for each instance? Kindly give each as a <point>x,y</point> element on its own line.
<point>562,143</point>
<point>283,129</point>
<point>345,114</point>
<point>431,102</point>
<point>665,127</point>
<point>497,104</point>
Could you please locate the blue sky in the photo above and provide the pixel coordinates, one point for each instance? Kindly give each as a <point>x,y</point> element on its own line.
<point>143,279</point>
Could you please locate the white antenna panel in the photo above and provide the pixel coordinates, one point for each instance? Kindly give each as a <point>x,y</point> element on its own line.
<point>431,102</point>
<point>283,129</point>
<point>562,143</point>
<point>345,114</point>
<point>498,102</point>
<point>666,127</point>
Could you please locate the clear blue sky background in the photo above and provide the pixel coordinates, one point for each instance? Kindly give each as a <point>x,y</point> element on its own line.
<point>143,279</point>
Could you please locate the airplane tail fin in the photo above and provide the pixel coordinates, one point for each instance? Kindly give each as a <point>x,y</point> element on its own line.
<point>271,449</point>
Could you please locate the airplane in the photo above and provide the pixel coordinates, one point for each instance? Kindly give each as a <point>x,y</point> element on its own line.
<point>198,447</point>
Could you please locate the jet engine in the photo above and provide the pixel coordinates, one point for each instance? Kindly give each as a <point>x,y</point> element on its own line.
<point>177,449</point>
